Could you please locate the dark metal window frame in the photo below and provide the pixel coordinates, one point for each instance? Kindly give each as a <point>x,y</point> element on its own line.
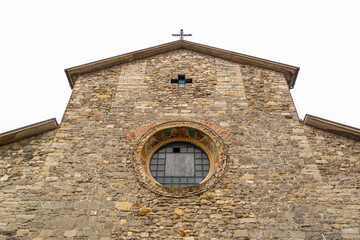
<point>158,165</point>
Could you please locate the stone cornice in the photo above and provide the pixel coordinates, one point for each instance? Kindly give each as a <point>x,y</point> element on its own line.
<point>290,72</point>
<point>333,127</point>
<point>28,131</point>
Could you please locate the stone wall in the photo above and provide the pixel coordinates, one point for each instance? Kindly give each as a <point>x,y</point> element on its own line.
<point>21,183</point>
<point>284,180</point>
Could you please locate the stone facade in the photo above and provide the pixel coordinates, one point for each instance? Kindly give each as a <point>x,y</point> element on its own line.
<point>283,180</point>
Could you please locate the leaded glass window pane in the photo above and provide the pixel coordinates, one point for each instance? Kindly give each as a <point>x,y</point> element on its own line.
<point>181,84</point>
<point>179,164</point>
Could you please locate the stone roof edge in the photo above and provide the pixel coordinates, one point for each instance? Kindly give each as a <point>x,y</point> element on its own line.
<point>332,127</point>
<point>289,71</point>
<point>28,131</point>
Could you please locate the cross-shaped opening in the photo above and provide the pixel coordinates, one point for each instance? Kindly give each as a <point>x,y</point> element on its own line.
<point>181,81</point>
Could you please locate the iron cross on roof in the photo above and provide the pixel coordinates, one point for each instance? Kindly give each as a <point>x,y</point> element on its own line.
<point>182,35</point>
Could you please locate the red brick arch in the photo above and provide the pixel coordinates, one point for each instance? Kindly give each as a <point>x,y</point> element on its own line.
<point>223,132</point>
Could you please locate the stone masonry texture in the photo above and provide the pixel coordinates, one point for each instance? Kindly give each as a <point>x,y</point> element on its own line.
<point>283,180</point>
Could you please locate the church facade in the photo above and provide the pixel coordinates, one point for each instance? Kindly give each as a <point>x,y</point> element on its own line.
<point>181,141</point>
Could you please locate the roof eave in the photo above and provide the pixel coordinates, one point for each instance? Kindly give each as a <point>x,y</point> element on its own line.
<point>28,131</point>
<point>333,127</point>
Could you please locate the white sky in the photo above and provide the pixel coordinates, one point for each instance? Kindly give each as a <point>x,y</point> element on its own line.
<point>39,39</point>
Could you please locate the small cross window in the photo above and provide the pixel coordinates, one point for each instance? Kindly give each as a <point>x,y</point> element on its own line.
<point>181,81</point>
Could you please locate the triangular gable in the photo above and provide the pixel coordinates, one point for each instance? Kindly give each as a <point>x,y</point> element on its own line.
<point>290,72</point>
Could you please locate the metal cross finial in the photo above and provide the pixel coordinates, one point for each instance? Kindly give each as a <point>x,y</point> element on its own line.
<point>182,35</point>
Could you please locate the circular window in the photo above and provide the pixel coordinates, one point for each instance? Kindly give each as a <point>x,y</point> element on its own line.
<point>179,158</point>
<point>179,164</point>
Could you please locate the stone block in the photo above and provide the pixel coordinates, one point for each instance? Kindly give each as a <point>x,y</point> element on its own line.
<point>179,212</point>
<point>124,206</point>
<point>145,210</point>
<point>248,220</point>
<point>70,233</point>
<point>240,233</point>
<point>144,234</point>
<point>350,231</point>
<point>298,235</point>
<point>248,176</point>
<point>103,96</point>
<point>46,233</point>
<point>216,216</point>
<point>64,222</point>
